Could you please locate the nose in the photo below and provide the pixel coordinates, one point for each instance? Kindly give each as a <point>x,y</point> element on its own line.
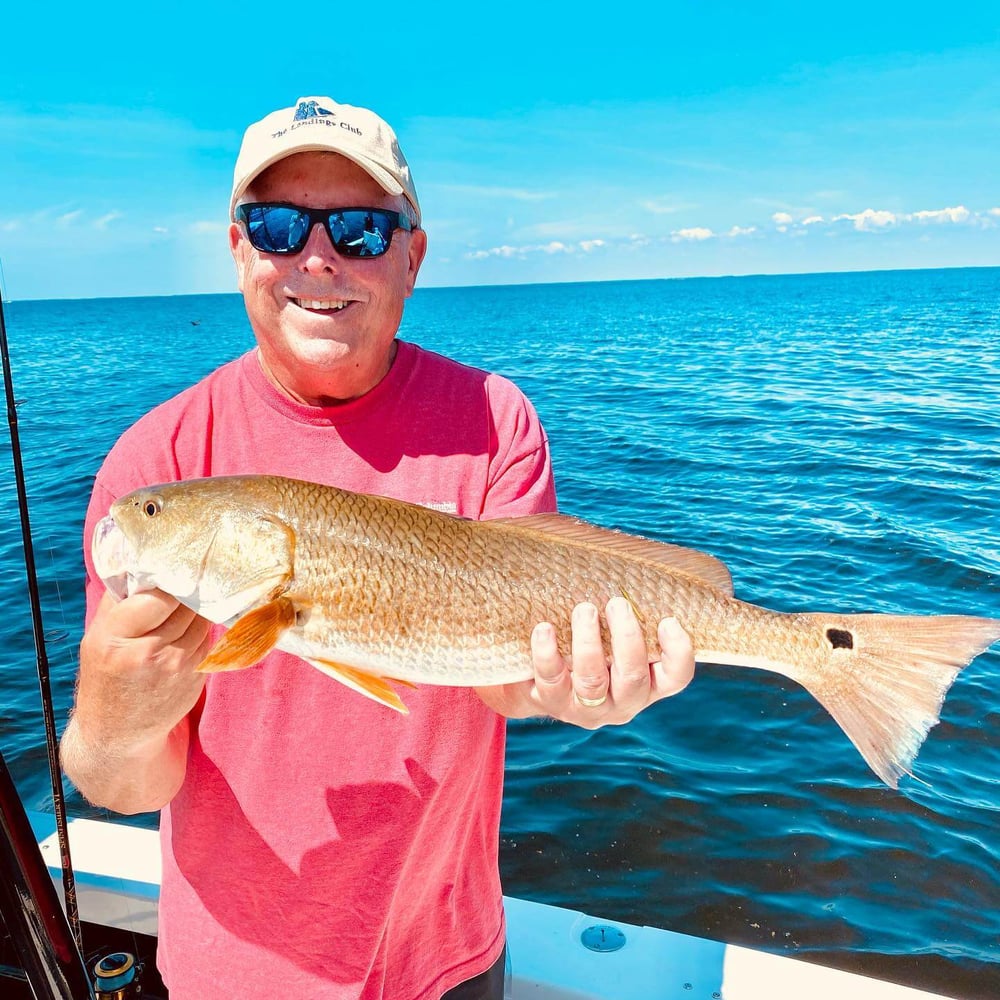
<point>318,255</point>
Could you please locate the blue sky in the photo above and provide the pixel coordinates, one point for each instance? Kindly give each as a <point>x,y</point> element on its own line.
<point>549,142</point>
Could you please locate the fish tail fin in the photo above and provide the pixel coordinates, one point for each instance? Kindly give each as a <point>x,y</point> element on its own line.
<point>893,675</point>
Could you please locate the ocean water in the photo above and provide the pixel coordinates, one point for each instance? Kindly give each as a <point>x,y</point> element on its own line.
<point>832,438</point>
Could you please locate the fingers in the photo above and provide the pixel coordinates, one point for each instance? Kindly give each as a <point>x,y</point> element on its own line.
<point>143,613</point>
<point>591,681</point>
<point>552,676</point>
<point>550,690</point>
<point>675,668</point>
<point>590,692</point>
<point>149,630</point>
<point>610,694</point>
<point>630,672</point>
<point>155,616</point>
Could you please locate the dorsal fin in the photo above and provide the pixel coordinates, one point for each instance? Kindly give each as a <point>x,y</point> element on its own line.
<point>682,560</point>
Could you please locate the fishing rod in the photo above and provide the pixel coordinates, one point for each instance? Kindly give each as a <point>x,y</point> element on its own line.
<point>30,910</point>
<point>41,659</point>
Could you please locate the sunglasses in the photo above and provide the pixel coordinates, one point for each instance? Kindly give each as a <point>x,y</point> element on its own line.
<point>278,227</point>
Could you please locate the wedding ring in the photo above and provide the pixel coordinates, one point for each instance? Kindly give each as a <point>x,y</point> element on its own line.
<point>592,702</point>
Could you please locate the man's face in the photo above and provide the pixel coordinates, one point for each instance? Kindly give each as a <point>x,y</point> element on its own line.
<point>325,324</point>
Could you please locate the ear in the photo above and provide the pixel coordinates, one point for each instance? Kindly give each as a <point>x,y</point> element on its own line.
<point>416,252</point>
<point>239,247</point>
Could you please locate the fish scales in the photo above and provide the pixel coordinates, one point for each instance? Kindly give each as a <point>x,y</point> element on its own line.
<point>370,589</point>
<point>439,596</point>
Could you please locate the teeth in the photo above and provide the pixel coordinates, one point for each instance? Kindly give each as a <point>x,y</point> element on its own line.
<point>322,304</point>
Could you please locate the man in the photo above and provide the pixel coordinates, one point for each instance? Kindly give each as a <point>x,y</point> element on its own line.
<point>316,844</point>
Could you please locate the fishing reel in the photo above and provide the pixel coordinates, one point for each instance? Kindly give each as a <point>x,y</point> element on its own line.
<point>118,977</point>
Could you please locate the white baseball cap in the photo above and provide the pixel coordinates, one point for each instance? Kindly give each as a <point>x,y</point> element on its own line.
<point>319,123</point>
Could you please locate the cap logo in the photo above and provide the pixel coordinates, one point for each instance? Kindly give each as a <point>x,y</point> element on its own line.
<point>309,109</point>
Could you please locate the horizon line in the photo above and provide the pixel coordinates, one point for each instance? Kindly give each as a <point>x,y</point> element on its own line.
<point>568,281</point>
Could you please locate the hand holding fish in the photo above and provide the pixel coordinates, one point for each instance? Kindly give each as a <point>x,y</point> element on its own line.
<point>585,690</point>
<point>137,684</point>
<point>142,653</point>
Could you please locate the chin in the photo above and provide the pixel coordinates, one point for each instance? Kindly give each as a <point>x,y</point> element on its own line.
<point>321,348</point>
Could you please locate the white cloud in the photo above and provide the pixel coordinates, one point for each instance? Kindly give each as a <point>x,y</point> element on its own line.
<point>504,251</point>
<point>957,214</point>
<point>782,220</point>
<point>160,229</point>
<point>102,222</point>
<point>695,234</point>
<point>69,218</point>
<point>555,238</point>
<point>521,252</point>
<point>870,219</point>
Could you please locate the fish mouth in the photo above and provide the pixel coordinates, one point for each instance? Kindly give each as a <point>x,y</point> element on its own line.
<point>114,558</point>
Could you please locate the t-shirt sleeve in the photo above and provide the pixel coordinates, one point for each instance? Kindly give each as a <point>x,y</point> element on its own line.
<point>520,478</point>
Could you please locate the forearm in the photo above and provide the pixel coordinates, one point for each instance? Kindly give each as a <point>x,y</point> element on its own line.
<point>123,774</point>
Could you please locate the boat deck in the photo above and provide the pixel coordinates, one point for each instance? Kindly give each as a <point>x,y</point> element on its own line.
<point>118,879</point>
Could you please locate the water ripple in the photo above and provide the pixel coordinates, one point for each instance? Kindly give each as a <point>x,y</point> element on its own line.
<point>832,438</point>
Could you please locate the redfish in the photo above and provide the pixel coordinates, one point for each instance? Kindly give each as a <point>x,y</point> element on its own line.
<point>372,590</point>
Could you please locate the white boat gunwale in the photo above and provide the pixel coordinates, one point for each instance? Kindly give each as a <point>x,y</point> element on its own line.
<point>117,868</point>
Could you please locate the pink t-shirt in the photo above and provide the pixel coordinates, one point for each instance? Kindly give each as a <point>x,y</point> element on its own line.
<point>322,845</point>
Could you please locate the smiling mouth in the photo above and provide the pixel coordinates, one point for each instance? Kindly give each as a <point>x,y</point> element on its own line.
<point>321,305</point>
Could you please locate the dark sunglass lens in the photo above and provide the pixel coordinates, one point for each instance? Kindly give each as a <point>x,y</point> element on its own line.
<point>277,228</point>
<point>298,230</point>
<point>341,231</point>
<point>361,232</point>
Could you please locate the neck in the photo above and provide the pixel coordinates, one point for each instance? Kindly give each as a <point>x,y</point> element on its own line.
<point>325,390</point>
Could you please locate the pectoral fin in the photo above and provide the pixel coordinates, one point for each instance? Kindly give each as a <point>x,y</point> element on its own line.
<point>251,637</point>
<point>369,685</point>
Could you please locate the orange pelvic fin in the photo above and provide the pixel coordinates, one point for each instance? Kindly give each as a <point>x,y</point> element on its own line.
<point>251,637</point>
<point>370,685</point>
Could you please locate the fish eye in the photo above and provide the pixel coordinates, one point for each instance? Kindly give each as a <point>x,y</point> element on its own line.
<point>152,507</point>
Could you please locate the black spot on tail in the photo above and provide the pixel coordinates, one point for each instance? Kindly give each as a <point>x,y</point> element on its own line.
<point>840,639</point>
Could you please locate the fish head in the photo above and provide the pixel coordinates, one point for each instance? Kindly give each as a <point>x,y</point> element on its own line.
<point>217,545</point>
<point>114,560</point>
